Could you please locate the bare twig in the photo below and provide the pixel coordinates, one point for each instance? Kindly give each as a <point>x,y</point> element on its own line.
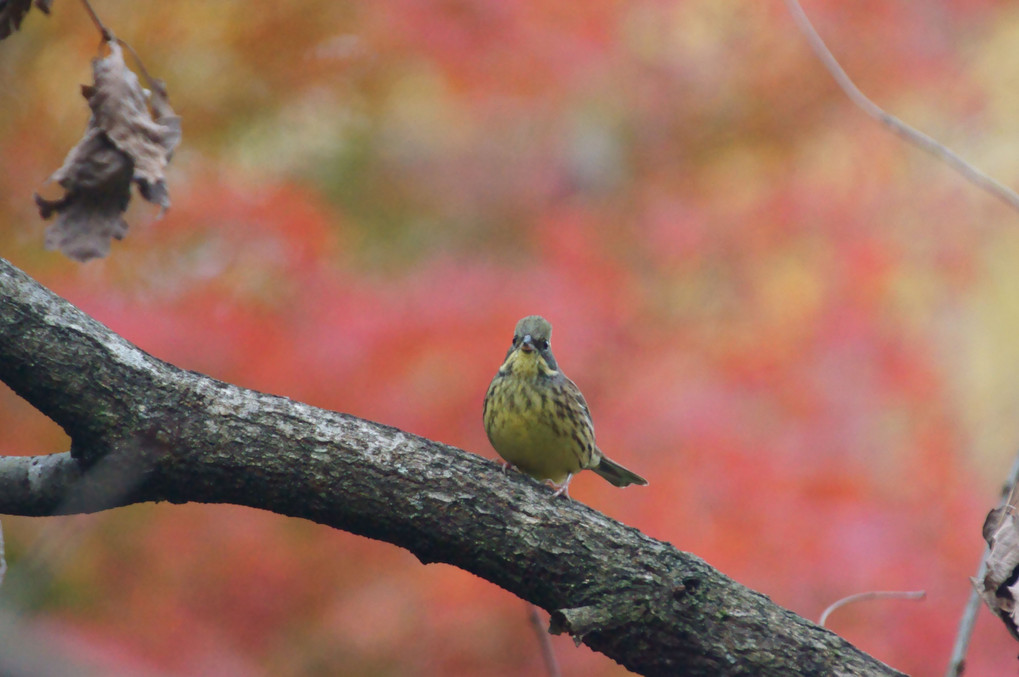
<point>874,594</point>
<point>106,32</point>
<point>551,665</point>
<point>957,662</point>
<point>914,136</point>
<point>3,560</point>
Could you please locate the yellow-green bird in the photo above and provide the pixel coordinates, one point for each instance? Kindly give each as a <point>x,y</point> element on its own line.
<point>538,420</point>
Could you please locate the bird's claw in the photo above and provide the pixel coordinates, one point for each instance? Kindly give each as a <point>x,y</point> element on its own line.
<point>561,489</point>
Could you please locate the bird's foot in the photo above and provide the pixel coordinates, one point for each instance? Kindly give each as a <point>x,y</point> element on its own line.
<point>561,489</point>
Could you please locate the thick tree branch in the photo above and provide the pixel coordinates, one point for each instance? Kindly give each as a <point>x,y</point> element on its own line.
<point>143,430</point>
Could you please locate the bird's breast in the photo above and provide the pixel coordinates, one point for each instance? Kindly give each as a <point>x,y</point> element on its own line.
<point>523,427</point>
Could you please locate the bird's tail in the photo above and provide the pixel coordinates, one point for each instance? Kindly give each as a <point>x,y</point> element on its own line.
<point>617,474</point>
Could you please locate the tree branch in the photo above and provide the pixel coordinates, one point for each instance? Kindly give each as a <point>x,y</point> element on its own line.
<point>144,430</point>
<point>897,126</point>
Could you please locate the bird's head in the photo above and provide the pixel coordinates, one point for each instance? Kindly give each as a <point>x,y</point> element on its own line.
<point>531,351</point>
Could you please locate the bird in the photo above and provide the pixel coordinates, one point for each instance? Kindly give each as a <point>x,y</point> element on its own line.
<point>538,420</point>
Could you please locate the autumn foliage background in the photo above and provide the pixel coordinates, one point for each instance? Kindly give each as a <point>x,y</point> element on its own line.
<point>801,330</point>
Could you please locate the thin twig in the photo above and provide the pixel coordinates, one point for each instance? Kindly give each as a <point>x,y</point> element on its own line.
<point>957,663</point>
<point>3,559</point>
<point>543,638</point>
<point>874,594</point>
<point>914,136</point>
<point>106,32</point>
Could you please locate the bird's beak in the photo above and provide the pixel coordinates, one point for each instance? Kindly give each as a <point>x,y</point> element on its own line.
<point>527,343</point>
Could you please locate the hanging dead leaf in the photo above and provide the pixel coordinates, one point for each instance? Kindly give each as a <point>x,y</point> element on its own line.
<point>123,143</point>
<point>1000,586</point>
<point>121,109</point>
<point>170,133</point>
<point>12,13</point>
<point>97,178</point>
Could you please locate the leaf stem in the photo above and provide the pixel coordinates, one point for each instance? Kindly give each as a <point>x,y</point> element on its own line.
<point>103,30</point>
<point>152,83</point>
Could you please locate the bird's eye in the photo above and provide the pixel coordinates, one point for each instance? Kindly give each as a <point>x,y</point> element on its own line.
<point>541,345</point>
<point>516,340</point>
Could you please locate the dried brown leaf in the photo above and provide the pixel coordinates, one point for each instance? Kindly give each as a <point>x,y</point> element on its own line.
<point>97,179</point>
<point>123,144</point>
<point>119,108</point>
<point>1000,586</point>
<point>12,13</point>
<point>169,137</point>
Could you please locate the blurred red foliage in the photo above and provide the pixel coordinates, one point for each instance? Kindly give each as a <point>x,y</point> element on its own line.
<point>747,280</point>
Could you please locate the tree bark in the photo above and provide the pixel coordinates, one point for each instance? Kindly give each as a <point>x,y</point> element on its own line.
<point>144,430</point>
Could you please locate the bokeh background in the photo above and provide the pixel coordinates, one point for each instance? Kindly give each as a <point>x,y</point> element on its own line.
<point>802,330</point>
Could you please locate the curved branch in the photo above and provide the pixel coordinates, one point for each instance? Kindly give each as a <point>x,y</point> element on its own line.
<point>897,126</point>
<point>143,430</point>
